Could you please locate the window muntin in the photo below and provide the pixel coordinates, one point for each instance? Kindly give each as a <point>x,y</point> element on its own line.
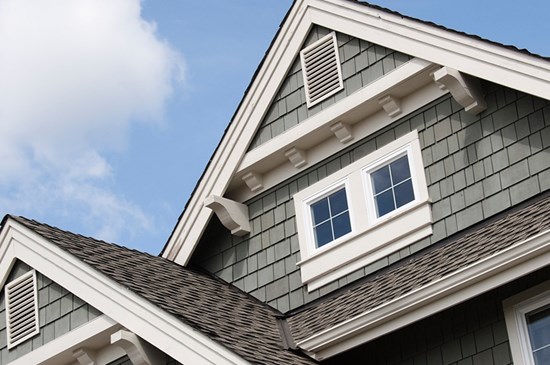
<point>392,186</point>
<point>538,326</point>
<point>330,217</point>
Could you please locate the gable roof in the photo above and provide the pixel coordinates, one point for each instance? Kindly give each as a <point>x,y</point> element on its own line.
<point>506,232</point>
<point>468,54</point>
<point>220,311</point>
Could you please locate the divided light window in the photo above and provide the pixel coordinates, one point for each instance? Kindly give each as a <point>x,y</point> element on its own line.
<point>21,309</point>
<point>392,186</point>
<point>330,217</point>
<point>321,69</point>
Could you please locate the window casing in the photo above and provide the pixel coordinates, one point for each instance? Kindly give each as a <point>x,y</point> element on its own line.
<point>528,323</point>
<point>373,232</point>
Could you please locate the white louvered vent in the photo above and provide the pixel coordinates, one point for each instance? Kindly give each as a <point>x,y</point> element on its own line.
<point>321,69</point>
<point>21,309</point>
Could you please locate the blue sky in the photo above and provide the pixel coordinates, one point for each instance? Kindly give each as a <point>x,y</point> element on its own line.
<point>110,110</point>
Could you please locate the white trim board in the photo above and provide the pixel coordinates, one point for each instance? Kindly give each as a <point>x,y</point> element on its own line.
<point>465,54</point>
<point>138,315</point>
<point>514,262</point>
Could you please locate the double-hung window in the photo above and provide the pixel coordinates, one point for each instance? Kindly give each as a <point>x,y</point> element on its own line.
<point>528,323</point>
<point>369,209</point>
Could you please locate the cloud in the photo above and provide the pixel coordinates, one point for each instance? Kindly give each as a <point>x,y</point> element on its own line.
<point>75,77</point>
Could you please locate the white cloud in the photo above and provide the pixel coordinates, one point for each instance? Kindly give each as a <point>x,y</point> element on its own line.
<point>75,75</point>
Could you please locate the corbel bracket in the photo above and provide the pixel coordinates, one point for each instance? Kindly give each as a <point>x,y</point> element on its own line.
<point>232,214</point>
<point>465,89</point>
<point>391,105</point>
<point>84,356</point>
<point>297,157</point>
<point>342,131</point>
<point>253,181</point>
<point>139,352</point>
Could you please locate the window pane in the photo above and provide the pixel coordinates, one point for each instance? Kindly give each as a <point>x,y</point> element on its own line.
<point>323,234</point>
<point>341,225</point>
<point>381,179</point>
<point>338,202</point>
<point>404,193</point>
<point>538,324</point>
<point>319,211</point>
<point>384,203</point>
<point>542,357</point>
<point>400,170</point>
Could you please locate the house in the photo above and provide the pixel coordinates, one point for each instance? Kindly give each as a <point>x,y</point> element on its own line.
<point>381,195</point>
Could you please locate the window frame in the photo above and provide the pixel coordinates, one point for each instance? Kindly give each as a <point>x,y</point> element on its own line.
<point>370,239</point>
<point>373,217</point>
<point>516,309</point>
<point>317,197</point>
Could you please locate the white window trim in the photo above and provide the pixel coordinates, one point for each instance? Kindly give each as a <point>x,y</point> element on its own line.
<point>312,246</point>
<point>10,342</point>
<point>371,238</point>
<point>515,310</point>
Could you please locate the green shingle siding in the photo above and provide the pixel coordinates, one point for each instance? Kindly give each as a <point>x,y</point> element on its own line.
<point>476,166</point>
<point>59,313</point>
<point>361,62</point>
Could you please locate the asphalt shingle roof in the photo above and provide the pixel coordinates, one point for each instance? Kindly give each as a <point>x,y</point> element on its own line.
<point>437,262</point>
<point>222,312</point>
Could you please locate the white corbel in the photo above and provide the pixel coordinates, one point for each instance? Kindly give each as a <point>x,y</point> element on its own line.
<point>84,356</point>
<point>342,131</point>
<point>253,181</point>
<point>465,89</point>
<point>296,156</point>
<point>391,105</point>
<point>139,352</point>
<point>232,214</point>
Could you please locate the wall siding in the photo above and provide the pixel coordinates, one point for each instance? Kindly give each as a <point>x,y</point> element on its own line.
<point>361,62</point>
<point>59,313</point>
<point>471,333</point>
<point>476,166</point>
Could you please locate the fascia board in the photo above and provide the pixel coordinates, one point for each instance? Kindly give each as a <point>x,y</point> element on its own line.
<point>138,315</point>
<point>240,132</point>
<point>489,273</point>
<point>475,57</point>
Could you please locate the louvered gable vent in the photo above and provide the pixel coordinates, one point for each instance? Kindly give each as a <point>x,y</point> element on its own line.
<point>21,309</point>
<point>321,69</point>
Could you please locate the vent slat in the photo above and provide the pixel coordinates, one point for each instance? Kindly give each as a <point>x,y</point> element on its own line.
<point>21,309</point>
<point>321,69</point>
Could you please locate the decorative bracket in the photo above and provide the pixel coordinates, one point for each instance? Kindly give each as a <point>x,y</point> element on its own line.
<point>253,181</point>
<point>296,156</point>
<point>139,352</point>
<point>342,131</point>
<point>233,215</point>
<point>391,105</point>
<point>465,89</point>
<point>84,356</point>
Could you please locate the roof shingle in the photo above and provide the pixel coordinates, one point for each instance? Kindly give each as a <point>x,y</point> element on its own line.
<point>221,311</point>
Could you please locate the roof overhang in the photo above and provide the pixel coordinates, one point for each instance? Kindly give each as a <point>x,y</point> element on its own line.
<point>514,262</point>
<point>120,306</point>
<point>465,54</point>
